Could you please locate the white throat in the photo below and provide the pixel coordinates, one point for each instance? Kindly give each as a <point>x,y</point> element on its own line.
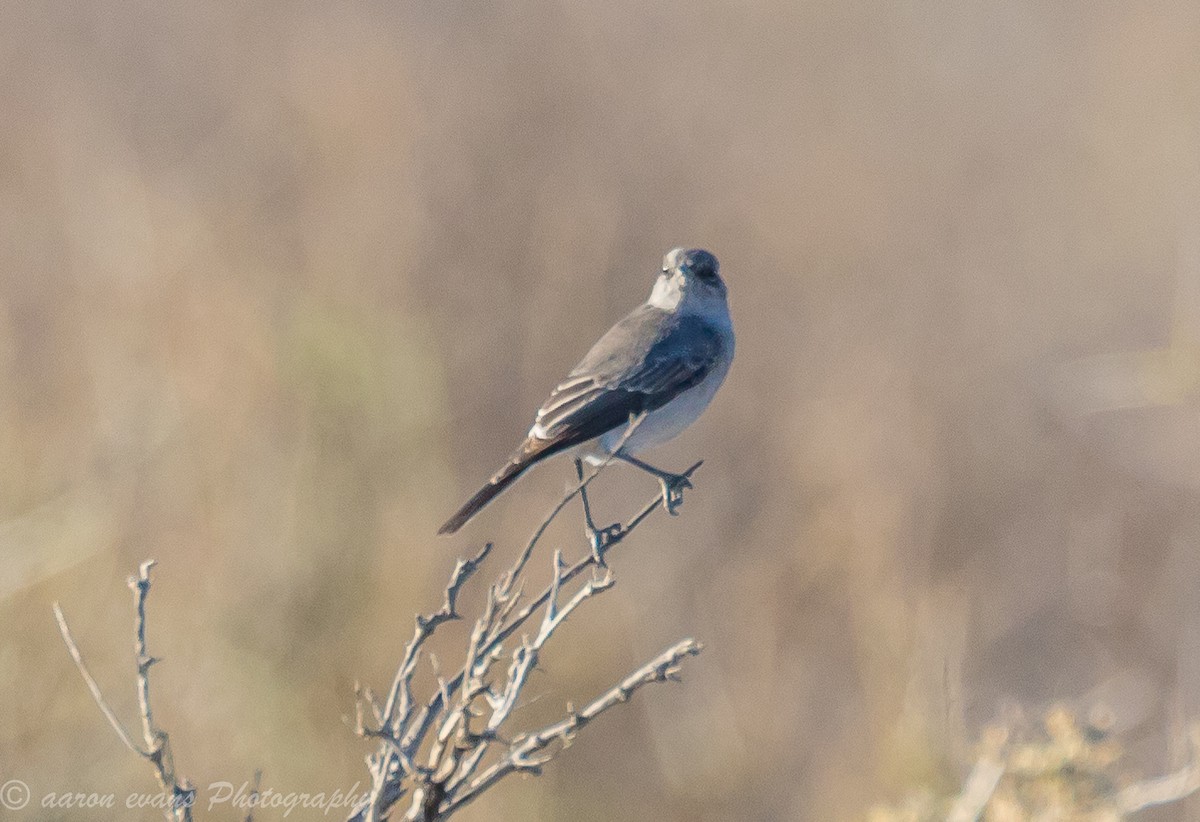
<point>671,294</point>
<point>667,293</point>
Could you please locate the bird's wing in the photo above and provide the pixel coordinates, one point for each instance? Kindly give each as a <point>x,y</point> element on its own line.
<point>641,364</point>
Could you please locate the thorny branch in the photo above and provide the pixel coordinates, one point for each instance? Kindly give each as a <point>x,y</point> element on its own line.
<point>419,728</point>
<point>157,745</point>
<point>521,755</point>
<point>447,753</point>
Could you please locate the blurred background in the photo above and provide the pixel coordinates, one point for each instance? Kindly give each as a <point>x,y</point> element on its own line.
<point>282,283</point>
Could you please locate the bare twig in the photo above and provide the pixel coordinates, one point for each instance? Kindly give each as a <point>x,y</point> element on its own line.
<point>455,747</point>
<point>399,702</point>
<point>977,792</point>
<point>440,752</point>
<point>526,656</point>
<point>157,748</point>
<point>1165,789</point>
<point>392,761</point>
<point>425,718</point>
<point>105,708</point>
<point>522,754</point>
<point>457,750</point>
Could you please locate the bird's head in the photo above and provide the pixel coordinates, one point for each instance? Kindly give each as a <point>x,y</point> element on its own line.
<point>688,274</point>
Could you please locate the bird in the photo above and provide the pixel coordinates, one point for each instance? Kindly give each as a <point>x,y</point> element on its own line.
<point>645,380</point>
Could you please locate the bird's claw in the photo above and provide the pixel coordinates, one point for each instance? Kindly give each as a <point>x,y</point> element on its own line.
<point>601,538</point>
<point>672,491</point>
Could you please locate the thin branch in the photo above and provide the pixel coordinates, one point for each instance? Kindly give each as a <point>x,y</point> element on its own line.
<point>1165,789</point>
<point>526,656</point>
<point>425,717</point>
<point>158,745</point>
<point>399,700</point>
<point>457,750</point>
<point>457,744</point>
<point>158,750</point>
<point>978,790</point>
<point>522,755</point>
<point>90,681</point>
<point>393,760</point>
<point>525,660</point>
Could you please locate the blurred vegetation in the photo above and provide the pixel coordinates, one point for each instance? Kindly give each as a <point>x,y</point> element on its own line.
<point>282,282</point>
<point>1064,769</point>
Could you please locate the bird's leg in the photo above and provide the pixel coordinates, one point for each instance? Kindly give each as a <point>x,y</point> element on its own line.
<point>598,538</point>
<point>672,484</point>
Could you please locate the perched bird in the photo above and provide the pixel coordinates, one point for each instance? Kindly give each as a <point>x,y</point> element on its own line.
<point>653,372</point>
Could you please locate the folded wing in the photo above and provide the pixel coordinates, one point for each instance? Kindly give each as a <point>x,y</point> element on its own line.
<point>641,364</point>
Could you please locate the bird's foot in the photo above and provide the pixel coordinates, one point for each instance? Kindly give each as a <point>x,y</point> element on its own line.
<point>601,538</point>
<point>672,491</point>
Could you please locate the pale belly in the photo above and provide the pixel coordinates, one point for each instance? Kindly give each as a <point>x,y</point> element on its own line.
<point>660,425</point>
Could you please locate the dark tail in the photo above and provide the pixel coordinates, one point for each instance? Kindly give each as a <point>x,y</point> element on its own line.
<point>526,455</point>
